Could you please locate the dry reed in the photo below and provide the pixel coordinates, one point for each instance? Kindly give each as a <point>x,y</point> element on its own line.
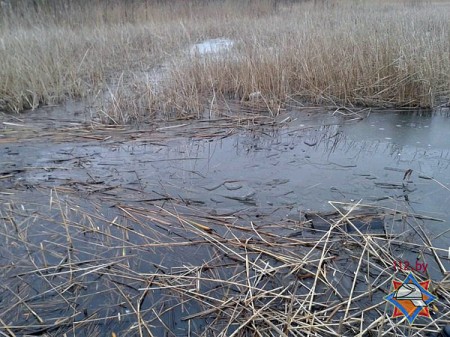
<point>289,52</point>
<point>76,268</point>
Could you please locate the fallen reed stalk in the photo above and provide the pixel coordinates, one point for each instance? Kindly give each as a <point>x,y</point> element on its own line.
<point>154,270</point>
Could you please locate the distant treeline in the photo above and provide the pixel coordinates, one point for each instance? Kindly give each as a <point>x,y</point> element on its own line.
<point>60,9</point>
<point>112,11</point>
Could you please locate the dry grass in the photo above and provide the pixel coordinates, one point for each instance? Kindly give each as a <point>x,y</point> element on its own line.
<point>341,53</point>
<point>382,55</point>
<point>67,268</point>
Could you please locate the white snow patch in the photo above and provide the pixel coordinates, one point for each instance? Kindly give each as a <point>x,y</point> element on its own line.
<point>212,46</point>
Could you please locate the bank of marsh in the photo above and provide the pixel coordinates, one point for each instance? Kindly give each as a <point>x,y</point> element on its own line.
<point>376,53</point>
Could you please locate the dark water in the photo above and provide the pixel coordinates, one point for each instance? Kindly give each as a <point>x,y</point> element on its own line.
<point>314,160</point>
<point>267,173</point>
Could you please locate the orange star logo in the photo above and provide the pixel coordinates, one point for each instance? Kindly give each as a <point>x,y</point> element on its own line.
<point>410,298</point>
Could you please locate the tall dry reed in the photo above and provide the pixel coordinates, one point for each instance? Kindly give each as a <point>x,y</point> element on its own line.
<point>348,53</point>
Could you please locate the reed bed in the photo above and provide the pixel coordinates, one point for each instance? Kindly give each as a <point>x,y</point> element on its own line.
<point>95,268</point>
<point>133,61</point>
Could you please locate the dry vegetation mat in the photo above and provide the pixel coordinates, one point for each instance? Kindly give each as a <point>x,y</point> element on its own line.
<point>92,255</point>
<point>135,60</point>
<point>89,268</point>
